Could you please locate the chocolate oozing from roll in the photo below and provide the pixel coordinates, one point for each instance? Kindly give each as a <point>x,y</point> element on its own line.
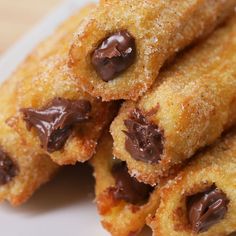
<point>144,140</point>
<point>8,169</point>
<point>54,123</point>
<point>114,55</point>
<point>206,209</point>
<point>128,188</point>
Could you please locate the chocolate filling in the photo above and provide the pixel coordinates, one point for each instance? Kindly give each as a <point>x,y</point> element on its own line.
<point>144,141</point>
<point>128,188</point>
<point>8,169</point>
<point>206,208</point>
<point>114,55</point>
<point>232,234</point>
<point>54,123</point>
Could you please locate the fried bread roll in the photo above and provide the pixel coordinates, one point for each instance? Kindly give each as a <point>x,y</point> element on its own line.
<point>120,49</point>
<point>22,169</point>
<point>123,203</point>
<point>189,107</point>
<point>53,114</point>
<point>202,198</point>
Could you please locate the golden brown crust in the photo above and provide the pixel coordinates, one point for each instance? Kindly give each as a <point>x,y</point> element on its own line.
<point>34,168</point>
<point>215,166</point>
<point>192,103</point>
<point>160,28</point>
<point>43,77</point>
<point>118,217</point>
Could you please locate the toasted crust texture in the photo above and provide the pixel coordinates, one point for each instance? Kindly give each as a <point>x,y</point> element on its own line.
<point>192,103</point>
<point>44,76</point>
<point>160,29</point>
<point>118,217</point>
<point>34,168</point>
<point>215,166</point>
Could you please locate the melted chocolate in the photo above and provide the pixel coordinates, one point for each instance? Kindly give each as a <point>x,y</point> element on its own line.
<point>54,123</point>
<point>206,209</point>
<point>144,141</point>
<point>8,170</point>
<point>114,55</point>
<point>232,234</point>
<point>128,188</point>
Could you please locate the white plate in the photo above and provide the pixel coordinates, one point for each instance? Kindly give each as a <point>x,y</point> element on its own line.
<point>64,206</point>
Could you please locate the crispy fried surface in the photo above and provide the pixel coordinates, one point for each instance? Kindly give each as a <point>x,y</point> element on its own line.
<point>118,217</point>
<point>192,103</point>
<point>44,76</point>
<point>34,168</point>
<point>160,28</point>
<point>216,166</point>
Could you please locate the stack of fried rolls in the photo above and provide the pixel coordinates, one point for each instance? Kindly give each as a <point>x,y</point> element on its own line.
<point>202,198</point>
<point>43,115</point>
<point>53,114</point>
<point>120,49</point>
<point>123,202</point>
<point>191,104</point>
<point>169,160</point>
